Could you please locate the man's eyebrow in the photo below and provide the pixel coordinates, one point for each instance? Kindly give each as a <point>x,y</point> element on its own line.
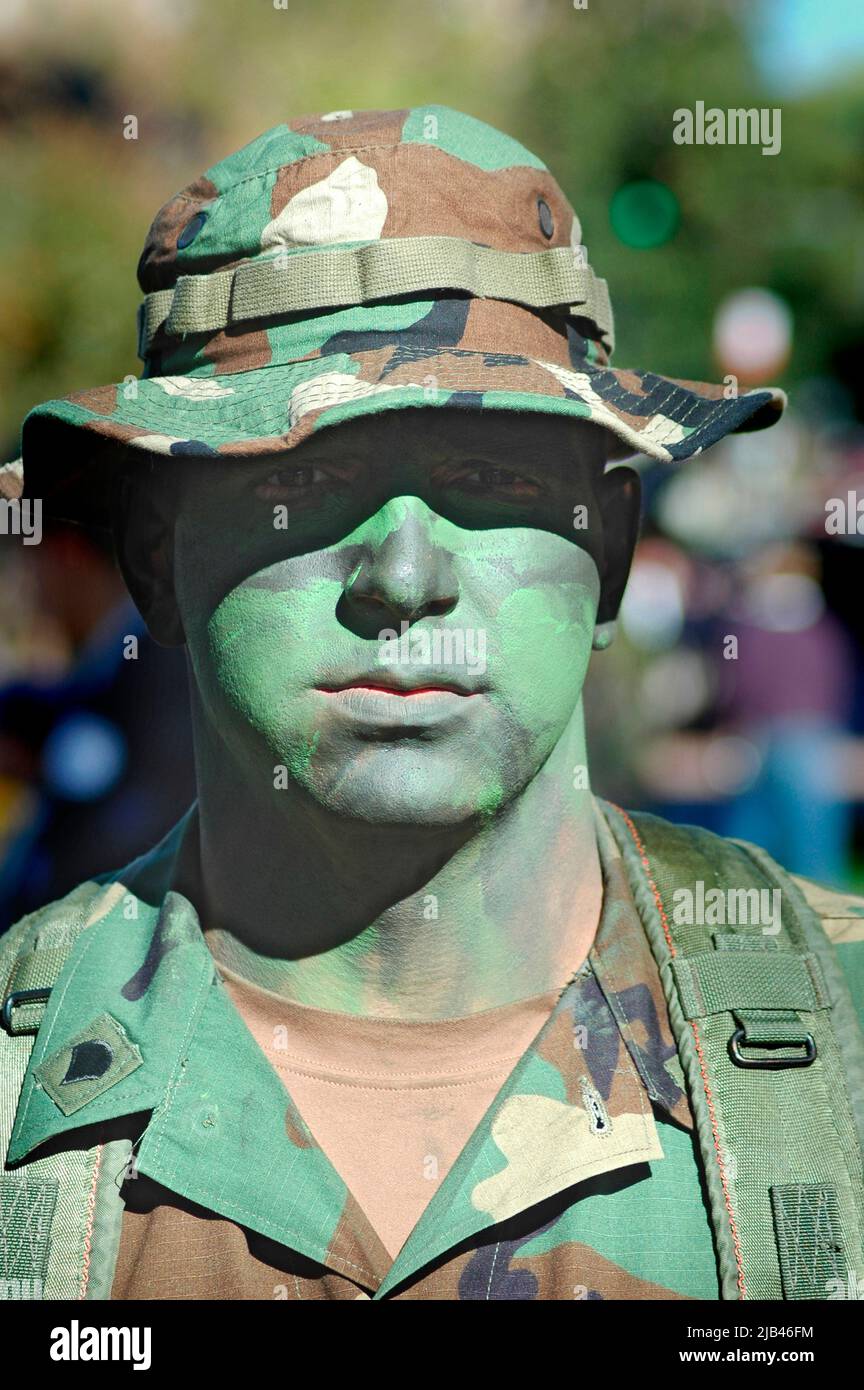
<point>493,446</point>
<point>512,454</point>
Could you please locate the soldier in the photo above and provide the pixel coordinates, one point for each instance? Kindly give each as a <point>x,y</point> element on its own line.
<point>400,1009</point>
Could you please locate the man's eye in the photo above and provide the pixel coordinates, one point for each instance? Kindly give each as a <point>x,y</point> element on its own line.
<point>489,478</point>
<point>292,479</point>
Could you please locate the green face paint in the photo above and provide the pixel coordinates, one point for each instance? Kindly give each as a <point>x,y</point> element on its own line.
<point>437,569</point>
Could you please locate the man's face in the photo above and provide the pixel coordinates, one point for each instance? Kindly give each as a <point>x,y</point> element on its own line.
<point>396,616</point>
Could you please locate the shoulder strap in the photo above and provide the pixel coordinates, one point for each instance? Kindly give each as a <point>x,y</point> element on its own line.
<point>772,1052</point>
<point>59,1213</point>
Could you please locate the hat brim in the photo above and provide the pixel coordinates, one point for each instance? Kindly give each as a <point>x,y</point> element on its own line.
<point>66,442</point>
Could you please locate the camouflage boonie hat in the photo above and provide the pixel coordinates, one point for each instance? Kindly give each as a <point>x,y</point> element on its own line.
<point>359,261</point>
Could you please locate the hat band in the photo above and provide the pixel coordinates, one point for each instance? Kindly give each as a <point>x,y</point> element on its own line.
<point>300,281</point>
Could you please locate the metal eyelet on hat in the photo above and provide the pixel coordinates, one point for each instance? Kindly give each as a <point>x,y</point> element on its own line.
<point>547,224</point>
<point>191,230</point>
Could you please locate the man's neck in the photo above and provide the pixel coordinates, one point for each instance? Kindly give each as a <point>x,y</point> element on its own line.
<point>401,922</point>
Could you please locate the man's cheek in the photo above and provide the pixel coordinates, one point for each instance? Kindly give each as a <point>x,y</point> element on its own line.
<point>544,639</point>
<point>255,655</point>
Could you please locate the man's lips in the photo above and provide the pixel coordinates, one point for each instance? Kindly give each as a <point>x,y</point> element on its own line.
<point>392,705</point>
<point>400,686</point>
<point>399,691</point>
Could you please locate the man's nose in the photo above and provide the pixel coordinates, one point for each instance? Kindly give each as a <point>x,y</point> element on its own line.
<point>404,575</point>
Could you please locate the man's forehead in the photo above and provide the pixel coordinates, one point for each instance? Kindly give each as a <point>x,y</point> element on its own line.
<point>444,431</point>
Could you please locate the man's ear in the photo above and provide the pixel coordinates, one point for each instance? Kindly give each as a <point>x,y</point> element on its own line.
<point>619,494</point>
<point>143,518</point>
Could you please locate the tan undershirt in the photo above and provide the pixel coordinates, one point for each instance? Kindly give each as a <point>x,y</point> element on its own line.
<point>391,1103</point>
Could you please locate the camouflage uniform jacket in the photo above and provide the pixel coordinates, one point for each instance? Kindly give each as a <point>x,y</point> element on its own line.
<point>583,1179</point>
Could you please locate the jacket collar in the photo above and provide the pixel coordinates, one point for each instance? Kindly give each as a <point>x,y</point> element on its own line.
<point>114,1022</point>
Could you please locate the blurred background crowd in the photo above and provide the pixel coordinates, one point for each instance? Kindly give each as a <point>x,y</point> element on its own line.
<point>734,697</point>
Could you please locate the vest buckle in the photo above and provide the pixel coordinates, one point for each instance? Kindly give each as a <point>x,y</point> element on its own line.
<point>771,1063</point>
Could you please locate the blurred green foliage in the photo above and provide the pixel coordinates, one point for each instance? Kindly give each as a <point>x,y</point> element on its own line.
<point>592,91</point>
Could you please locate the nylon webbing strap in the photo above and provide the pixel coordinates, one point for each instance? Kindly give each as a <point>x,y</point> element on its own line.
<point>778,1140</point>
<point>712,982</point>
<point>302,281</point>
<point>772,1026</point>
<point>26,1213</point>
<point>777,1025</point>
<point>37,969</point>
<point>810,1240</point>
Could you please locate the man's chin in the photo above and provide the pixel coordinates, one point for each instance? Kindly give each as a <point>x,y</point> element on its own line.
<point>401,785</point>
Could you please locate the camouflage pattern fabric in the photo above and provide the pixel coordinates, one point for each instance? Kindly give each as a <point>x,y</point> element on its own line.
<point>354,180</point>
<point>582,1181</point>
